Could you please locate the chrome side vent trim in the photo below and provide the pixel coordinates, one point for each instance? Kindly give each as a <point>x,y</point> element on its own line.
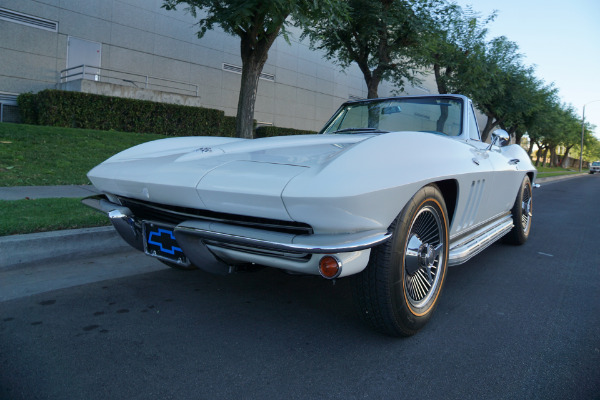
<point>236,69</point>
<point>473,203</point>
<point>29,20</point>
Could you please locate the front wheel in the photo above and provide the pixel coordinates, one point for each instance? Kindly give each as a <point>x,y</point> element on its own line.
<point>522,212</point>
<point>398,291</point>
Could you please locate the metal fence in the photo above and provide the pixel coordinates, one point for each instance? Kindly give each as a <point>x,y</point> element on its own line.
<point>123,78</point>
<point>9,112</point>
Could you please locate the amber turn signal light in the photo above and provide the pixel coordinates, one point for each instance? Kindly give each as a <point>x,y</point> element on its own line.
<point>330,267</point>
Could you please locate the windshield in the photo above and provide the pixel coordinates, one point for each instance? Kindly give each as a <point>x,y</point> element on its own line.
<point>596,163</point>
<point>440,115</point>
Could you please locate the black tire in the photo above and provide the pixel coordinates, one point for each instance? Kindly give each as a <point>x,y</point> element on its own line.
<point>173,265</point>
<point>522,212</point>
<point>391,294</point>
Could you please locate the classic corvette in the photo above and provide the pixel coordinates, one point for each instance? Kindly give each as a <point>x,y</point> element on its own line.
<point>392,191</point>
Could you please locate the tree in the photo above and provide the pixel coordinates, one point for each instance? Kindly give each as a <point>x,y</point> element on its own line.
<point>571,131</point>
<point>257,23</point>
<point>380,37</point>
<point>501,63</point>
<point>453,49</point>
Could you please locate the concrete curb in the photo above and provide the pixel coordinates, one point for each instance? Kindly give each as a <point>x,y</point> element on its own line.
<point>559,178</point>
<point>46,246</point>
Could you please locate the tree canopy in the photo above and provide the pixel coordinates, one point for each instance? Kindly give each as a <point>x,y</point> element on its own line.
<point>399,41</point>
<point>379,36</point>
<point>257,23</point>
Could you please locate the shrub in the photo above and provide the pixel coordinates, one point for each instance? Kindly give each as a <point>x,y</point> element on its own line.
<point>268,131</point>
<point>91,111</point>
<point>28,108</point>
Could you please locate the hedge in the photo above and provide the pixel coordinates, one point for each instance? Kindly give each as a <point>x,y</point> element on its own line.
<point>91,111</point>
<point>268,131</point>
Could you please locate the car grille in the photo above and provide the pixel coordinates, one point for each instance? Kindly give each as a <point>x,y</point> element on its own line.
<point>175,215</point>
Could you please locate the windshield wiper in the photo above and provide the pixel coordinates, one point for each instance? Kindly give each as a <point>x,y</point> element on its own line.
<point>360,130</point>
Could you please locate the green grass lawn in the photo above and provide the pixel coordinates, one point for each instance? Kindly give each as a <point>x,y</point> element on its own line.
<point>544,172</point>
<point>42,155</point>
<point>40,215</point>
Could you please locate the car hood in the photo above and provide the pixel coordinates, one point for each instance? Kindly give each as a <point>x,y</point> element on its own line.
<point>218,174</point>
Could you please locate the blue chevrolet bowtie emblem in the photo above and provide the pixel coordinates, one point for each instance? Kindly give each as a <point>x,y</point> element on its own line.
<point>158,234</point>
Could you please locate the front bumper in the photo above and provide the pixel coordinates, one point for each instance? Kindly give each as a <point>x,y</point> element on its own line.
<point>215,246</point>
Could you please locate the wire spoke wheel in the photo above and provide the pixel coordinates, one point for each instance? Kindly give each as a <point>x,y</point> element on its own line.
<point>522,214</point>
<point>526,208</point>
<point>422,256</point>
<point>399,290</point>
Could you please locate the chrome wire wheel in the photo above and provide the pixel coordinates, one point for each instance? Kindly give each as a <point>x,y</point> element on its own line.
<point>522,214</point>
<point>399,290</point>
<point>526,208</point>
<point>422,257</point>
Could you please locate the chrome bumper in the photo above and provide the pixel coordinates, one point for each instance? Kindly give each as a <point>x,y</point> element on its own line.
<point>197,236</point>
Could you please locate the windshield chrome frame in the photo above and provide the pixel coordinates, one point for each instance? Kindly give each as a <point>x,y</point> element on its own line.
<point>464,134</point>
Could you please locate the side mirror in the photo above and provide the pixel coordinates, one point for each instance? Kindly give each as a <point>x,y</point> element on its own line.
<point>500,138</point>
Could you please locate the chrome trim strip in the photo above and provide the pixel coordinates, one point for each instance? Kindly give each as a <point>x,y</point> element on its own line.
<point>99,203</point>
<point>313,244</point>
<point>185,215</point>
<point>476,242</point>
<point>121,217</point>
<point>463,236</point>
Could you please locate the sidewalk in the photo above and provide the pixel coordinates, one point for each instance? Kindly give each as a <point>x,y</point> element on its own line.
<point>46,192</point>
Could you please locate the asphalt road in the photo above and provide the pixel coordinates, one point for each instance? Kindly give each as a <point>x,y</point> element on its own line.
<point>513,323</point>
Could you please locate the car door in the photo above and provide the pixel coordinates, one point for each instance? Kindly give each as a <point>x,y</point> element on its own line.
<point>503,178</point>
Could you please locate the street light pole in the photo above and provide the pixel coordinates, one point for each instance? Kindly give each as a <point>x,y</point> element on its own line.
<point>582,132</point>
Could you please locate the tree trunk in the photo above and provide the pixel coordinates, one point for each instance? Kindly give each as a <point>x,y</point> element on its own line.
<point>244,123</point>
<point>530,149</point>
<point>441,86</point>
<point>489,125</point>
<point>372,82</point>
<point>544,160</point>
<point>564,163</point>
<point>518,136</point>
<point>553,157</point>
<point>442,119</point>
<point>541,154</point>
<point>254,54</point>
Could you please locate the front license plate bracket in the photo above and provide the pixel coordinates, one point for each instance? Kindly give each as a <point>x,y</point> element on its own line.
<point>160,242</point>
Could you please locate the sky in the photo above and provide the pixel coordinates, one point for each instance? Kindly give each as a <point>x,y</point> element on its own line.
<point>560,38</point>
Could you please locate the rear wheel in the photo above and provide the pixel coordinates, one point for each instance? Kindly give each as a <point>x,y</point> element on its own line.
<point>522,212</point>
<point>398,291</point>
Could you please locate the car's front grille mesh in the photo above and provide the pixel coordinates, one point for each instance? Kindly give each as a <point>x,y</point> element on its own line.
<point>175,215</point>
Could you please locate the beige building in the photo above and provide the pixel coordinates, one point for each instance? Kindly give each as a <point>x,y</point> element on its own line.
<point>135,48</point>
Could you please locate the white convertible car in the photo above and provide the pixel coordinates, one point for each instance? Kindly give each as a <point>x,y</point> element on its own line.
<point>392,191</point>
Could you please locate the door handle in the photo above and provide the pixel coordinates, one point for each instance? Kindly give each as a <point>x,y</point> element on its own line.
<point>514,161</point>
